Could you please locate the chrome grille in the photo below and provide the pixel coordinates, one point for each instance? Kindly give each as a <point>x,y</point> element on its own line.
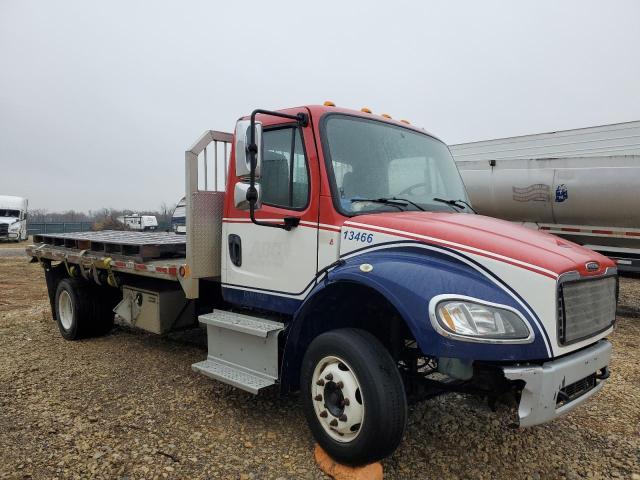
<point>585,307</point>
<point>4,228</point>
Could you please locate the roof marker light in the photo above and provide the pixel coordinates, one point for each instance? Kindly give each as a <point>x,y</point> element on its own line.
<point>386,115</point>
<point>406,121</point>
<point>365,110</point>
<point>328,103</point>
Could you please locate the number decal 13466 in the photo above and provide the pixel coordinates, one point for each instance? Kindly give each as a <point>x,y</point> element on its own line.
<point>361,237</point>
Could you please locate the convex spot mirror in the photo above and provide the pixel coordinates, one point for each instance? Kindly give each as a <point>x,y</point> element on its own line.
<point>243,139</point>
<point>240,196</point>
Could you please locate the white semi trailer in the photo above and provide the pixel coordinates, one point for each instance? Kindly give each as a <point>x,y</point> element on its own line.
<point>13,218</point>
<point>581,184</point>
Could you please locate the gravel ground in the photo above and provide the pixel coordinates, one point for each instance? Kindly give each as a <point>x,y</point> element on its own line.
<point>11,252</point>
<point>11,245</point>
<point>629,299</point>
<point>129,406</point>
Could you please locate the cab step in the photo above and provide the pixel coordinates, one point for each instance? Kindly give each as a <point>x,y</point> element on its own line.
<point>233,375</point>
<point>243,350</point>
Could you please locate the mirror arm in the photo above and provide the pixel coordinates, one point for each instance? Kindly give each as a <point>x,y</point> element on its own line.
<point>302,120</point>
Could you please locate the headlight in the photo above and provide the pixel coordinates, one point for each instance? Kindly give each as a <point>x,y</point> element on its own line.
<point>14,227</point>
<point>476,321</point>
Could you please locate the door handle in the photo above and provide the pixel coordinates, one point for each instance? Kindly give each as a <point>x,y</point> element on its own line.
<point>235,249</point>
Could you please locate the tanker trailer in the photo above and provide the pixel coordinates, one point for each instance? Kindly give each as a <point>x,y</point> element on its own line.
<point>583,185</point>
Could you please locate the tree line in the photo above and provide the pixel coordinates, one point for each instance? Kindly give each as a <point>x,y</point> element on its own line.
<point>100,216</point>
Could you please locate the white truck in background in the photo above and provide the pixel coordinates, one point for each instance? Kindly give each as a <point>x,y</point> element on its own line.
<point>13,218</point>
<point>141,223</point>
<point>583,185</point>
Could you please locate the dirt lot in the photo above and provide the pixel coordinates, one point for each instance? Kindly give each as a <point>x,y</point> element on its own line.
<point>5,244</point>
<point>11,249</point>
<point>129,406</point>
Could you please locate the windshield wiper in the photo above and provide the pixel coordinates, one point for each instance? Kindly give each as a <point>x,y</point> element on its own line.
<point>455,203</point>
<point>384,201</point>
<point>410,203</point>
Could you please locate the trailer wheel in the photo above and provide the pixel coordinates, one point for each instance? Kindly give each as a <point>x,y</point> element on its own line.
<point>83,310</point>
<point>353,396</point>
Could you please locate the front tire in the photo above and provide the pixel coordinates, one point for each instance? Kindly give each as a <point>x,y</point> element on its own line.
<point>353,396</point>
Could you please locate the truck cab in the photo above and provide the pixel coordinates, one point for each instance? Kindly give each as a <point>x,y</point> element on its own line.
<point>13,218</point>
<point>334,253</point>
<point>178,217</point>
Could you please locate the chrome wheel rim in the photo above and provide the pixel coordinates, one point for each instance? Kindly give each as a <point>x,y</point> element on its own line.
<point>337,399</point>
<point>65,309</point>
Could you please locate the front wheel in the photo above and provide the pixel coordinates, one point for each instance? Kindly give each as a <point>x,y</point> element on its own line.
<point>353,396</point>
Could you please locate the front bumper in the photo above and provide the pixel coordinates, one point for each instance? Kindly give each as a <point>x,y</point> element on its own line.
<point>545,383</point>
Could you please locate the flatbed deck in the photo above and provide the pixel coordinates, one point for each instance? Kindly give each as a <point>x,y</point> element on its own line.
<point>148,254</point>
<point>137,246</point>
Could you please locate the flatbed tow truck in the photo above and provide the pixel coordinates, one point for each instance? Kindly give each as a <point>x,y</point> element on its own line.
<point>333,252</point>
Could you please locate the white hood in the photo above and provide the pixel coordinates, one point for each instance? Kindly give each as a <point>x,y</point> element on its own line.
<point>8,220</point>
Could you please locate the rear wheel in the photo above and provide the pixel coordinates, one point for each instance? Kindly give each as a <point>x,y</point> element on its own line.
<point>353,396</point>
<point>83,310</point>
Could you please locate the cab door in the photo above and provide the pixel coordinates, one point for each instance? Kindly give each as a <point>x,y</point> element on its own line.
<point>271,268</point>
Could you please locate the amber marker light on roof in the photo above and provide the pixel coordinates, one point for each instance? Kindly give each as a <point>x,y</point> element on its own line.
<point>386,115</point>
<point>365,110</point>
<point>406,121</point>
<point>329,104</point>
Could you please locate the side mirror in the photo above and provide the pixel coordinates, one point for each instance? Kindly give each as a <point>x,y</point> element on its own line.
<point>240,196</point>
<point>243,139</point>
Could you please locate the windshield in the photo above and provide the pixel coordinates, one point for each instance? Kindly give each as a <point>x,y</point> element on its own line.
<point>9,213</point>
<point>372,160</point>
<point>179,212</point>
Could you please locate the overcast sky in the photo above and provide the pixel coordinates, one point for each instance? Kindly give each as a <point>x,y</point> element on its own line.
<point>99,100</point>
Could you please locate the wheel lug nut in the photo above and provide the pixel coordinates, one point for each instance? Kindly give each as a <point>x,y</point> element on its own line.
<point>333,423</point>
<point>345,402</point>
<point>318,398</point>
<point>329,376</point>
<point>323,414</point>
<point>320,383</point>
<point>340,384</point>
<point>343,418</point>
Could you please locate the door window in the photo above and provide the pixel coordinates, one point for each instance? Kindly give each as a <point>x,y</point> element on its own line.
<point>285,176</point>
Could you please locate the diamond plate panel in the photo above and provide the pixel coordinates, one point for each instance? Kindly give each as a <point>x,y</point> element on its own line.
<point>242,323</point>
<point>232,375</point>
<point>204,234</point>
